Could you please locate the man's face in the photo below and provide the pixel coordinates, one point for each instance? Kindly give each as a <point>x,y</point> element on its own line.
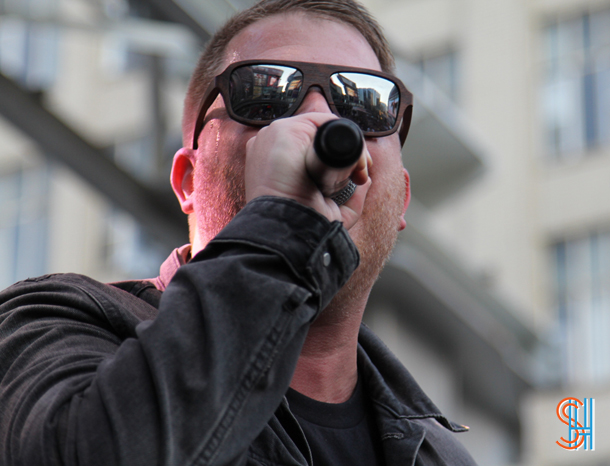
<point>219,170</point>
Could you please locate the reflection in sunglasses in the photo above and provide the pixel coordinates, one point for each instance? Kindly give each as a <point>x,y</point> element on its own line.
<point>370,101</point>
<point>266,92</point>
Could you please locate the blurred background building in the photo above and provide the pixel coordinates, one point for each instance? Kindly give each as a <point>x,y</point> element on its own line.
<point>497,297</point>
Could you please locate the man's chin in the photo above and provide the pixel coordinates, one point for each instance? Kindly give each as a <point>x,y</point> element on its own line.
<point>349,303</point>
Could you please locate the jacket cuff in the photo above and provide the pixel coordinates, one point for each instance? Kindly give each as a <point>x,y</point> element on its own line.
<point>318,251</point>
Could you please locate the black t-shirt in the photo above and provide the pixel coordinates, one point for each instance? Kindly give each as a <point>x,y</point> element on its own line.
<point>339,434</point>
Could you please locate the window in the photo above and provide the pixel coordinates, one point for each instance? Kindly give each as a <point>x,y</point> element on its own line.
<point>128,251</point>
<point>576,93</point>
<point>29,8</point>
<point>23,224</point>
<point>582,299</point>
<point>28,52</point>
<point>442,71</point>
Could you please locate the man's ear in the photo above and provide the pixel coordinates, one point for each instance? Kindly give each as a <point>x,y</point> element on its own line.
<point>403,223</point>
<point>181,178</point>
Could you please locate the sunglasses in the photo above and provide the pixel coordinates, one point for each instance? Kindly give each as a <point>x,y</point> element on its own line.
<point>257,92</point>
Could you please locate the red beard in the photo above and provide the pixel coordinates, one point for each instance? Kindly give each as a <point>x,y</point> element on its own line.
<point>220,195</point>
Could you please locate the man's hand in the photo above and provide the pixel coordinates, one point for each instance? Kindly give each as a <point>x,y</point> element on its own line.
<point>275,166</point>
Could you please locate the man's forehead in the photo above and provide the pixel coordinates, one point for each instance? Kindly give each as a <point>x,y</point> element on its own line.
<point>302,37</point>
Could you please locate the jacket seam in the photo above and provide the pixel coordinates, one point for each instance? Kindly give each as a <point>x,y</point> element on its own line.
<point>262,460</point>
<point>257,368</point>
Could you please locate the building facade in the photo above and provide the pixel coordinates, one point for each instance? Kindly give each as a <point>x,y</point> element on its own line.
<point>532,78</point>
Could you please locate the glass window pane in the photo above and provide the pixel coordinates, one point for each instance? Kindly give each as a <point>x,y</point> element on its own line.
<point>564,116</point>
<point>9,209</point>
<point>600,53</point>
<point>31,247</point>
<point>23,224</point>
<point>42,56</point>
<point>28,52</point>
<point>600,306</point>
<point>7,247</point>
<point>576,89</point>
<point>600,30</point>
<point>12,47</point>
<point>442,71</point>
<point>602,83</point>
<point>570,44</point>
<point>582,297</point>
<point>562,95</point>
<point>128,250</point>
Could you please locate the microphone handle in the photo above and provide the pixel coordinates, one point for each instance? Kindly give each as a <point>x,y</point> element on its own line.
<point>338,145</point>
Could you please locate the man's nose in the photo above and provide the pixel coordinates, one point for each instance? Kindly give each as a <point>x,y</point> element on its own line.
<point>314,101</point>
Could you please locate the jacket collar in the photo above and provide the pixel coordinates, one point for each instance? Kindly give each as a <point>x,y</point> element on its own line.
<point>170,266</point>
<point>398,402</point>
<point>392,387</point>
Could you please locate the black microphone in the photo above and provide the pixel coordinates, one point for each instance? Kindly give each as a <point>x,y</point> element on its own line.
<point>338,145</point>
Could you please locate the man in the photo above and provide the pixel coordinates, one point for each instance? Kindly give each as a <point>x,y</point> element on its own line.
<point>93,374</point>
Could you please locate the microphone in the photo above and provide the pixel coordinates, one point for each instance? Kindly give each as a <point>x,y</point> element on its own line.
<point>338,145</point>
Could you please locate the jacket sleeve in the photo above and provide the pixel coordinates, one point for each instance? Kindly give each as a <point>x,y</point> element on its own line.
<point>195,385</point>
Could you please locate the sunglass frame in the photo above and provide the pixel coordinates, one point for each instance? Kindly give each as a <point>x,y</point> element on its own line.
<point>314,74</point>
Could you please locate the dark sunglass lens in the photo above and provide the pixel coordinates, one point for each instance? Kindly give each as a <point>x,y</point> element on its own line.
<point>264,92</point>
<point>370,101</point>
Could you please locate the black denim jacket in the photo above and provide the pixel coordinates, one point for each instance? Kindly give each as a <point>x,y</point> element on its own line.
<point>93,374</point>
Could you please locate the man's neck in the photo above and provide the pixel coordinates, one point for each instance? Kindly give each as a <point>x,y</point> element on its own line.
<point>327,368</point>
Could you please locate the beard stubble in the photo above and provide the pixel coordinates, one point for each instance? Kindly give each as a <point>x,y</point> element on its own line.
<point>220,194</point>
